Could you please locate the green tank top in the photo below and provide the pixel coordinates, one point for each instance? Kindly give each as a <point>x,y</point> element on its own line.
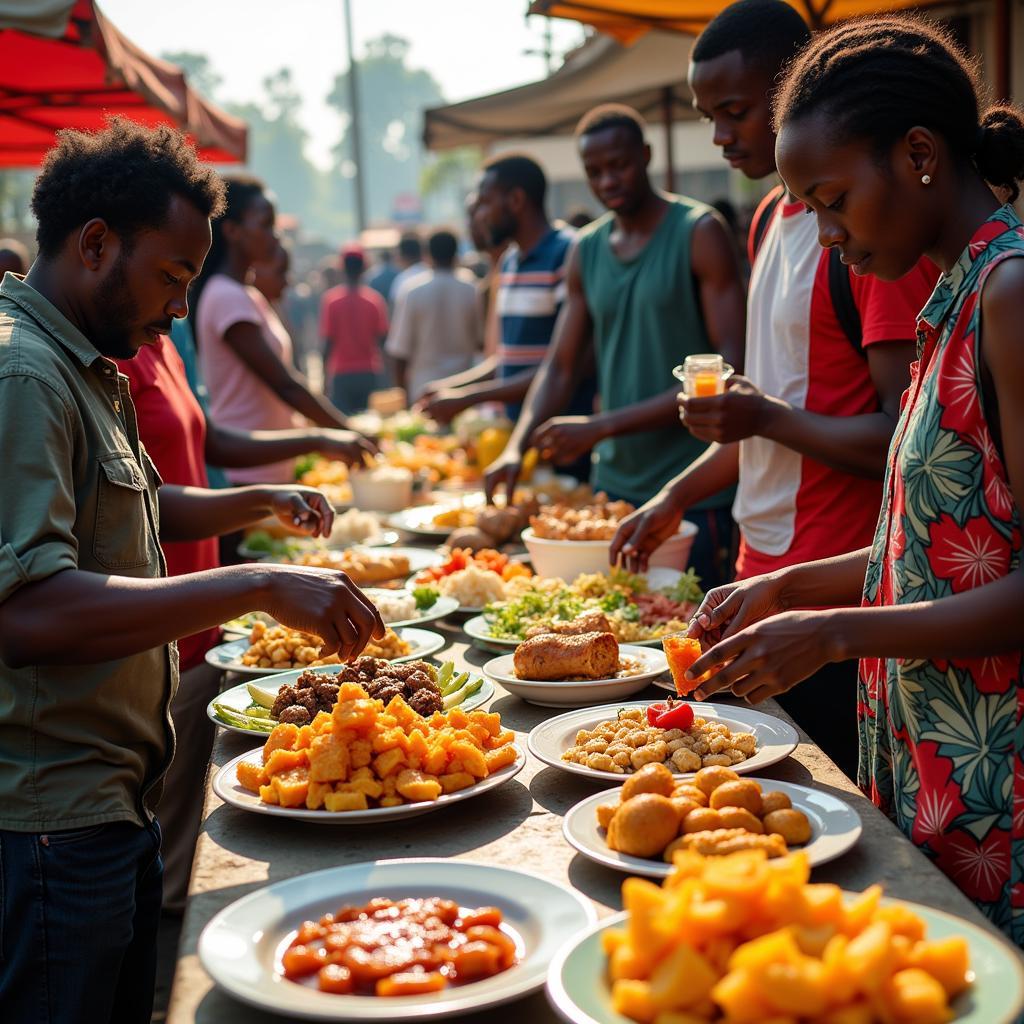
<point>647,319</point>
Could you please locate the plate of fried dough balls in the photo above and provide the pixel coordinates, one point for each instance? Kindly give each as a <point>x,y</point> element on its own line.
<point>638,827</point>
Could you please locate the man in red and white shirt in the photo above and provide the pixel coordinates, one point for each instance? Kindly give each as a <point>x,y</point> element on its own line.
<point>805,433</point>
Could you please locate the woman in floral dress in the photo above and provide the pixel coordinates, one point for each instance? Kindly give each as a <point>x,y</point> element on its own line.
<point>880,134</point>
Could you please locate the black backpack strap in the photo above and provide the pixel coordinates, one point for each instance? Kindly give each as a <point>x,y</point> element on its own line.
<point>763,218</point>
<point>841,292</point>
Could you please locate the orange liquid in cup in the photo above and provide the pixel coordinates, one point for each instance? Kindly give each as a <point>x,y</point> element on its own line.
<point>705,384</point>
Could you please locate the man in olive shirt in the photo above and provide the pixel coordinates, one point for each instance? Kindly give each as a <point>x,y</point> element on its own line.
<point>87,616</point>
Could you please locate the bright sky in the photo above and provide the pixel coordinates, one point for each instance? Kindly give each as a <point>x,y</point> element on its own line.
<point>472,47</point>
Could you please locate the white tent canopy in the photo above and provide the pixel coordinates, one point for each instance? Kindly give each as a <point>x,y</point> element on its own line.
<point>650,76</point>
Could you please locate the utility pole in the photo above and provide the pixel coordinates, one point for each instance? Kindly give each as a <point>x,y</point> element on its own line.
<point>353,105</point>
<point>548,49</point>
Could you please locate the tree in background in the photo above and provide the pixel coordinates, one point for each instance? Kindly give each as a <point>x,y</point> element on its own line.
<point>277,152</point>
<point>392,97</point>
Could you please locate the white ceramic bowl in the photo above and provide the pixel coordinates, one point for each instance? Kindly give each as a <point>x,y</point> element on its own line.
<point>390,491</point>
<point>566,559</point>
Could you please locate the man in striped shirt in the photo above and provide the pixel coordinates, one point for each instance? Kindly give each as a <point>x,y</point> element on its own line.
<point>531,289</point>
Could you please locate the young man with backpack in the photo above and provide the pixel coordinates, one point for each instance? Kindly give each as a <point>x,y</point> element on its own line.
<point>805,433</point>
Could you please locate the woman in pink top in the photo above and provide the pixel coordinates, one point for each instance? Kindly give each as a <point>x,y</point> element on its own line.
<point>245,353</point>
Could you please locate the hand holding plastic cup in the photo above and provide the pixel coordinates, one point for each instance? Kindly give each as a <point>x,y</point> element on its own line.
<point>703,375</point>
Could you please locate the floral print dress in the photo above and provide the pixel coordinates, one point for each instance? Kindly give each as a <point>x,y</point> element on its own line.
<point>941,740</point>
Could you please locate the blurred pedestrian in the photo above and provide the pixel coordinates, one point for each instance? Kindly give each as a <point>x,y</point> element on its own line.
<point>579,217</point>
<point>13,257</point>
<point>437,330</point>
<point>353,324</point>
<point>245,352</point>
<point>382,276</point>
<point>410,263</point>
<point>509,207</point>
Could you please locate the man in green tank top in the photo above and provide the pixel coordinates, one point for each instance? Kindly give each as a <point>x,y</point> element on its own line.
<point>652,281</point>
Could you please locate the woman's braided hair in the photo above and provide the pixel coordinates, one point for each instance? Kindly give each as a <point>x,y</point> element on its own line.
<point>876,78</point>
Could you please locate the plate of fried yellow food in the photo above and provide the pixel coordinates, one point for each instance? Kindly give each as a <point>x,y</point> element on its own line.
<point>639,827</point>
<point>607,743</point>
<point>574,669</point>
<point>392,940</point>
<point>745,938</point>
<point>366,761</point>
<point>268,650</point>
<point>255,707</point>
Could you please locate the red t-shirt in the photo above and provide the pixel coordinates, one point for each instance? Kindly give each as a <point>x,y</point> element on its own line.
<point>352,322</point>
<point>173,429</point>
<point>792,508</point>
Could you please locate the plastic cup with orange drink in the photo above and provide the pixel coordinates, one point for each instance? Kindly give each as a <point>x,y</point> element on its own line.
<point>703,375</point>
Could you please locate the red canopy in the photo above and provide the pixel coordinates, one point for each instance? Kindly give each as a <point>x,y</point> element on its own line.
<point>89,70</point>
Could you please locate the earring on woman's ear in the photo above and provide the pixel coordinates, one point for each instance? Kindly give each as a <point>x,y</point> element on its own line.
<point>926,179</point>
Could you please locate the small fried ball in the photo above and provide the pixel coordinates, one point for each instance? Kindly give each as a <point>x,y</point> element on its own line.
<point>792,825</point>
<point>740,817</point>
<point>605,813</point>
<point>698,796</point>
<point>683,805</point>
<point>775,801</point>
<point>643,826</point>
<point>702,820</point>
<point>652,778</point>
<point>741,793</point>
<point>709,779</point>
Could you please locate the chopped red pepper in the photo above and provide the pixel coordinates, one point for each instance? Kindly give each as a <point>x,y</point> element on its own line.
<point>670,715</point>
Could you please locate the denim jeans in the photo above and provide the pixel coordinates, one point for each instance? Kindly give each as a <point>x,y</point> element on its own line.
<point>79,912</point>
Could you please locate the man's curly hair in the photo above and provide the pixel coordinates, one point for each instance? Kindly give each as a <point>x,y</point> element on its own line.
<point>126,174</point>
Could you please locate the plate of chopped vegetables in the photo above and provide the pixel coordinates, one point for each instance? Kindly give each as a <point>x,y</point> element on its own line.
<point>640,610</point>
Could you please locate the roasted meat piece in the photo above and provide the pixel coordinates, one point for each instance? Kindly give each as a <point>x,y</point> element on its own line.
<point>589,622</point>
<point>553,657</point>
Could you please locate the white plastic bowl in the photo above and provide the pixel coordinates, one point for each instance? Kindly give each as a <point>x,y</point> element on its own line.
<point>373,493</point>
<point>567,559</point>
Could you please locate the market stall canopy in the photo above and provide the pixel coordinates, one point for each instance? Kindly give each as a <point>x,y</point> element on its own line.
<point>64,65</point>
<point>650,76</point>
<point>629,20</point>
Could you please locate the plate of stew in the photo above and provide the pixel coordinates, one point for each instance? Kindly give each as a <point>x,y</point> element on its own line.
<point>391,940</point>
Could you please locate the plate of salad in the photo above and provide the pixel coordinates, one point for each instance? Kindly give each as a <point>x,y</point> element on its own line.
<point>640,609</point>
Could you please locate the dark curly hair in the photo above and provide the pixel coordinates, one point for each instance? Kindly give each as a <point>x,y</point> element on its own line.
<point>125,173</point>
<point>768,34</point>
<point>875,78</point>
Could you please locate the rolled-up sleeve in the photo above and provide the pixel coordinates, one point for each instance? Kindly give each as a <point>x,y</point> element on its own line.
<point>37,501</point>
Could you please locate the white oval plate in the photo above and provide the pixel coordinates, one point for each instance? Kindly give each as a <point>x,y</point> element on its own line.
<point>239,947</point>
<point>775,739</point>
<point>578,693</point>
<point>440,609</point>
<point>419,520</point>
<point>835,827</point>
<point>228,788</point>
<point>384,539</point>
<point>228,657</point>
<point>419,559</point>
<point>578,986</point>
<point>238,699</point>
